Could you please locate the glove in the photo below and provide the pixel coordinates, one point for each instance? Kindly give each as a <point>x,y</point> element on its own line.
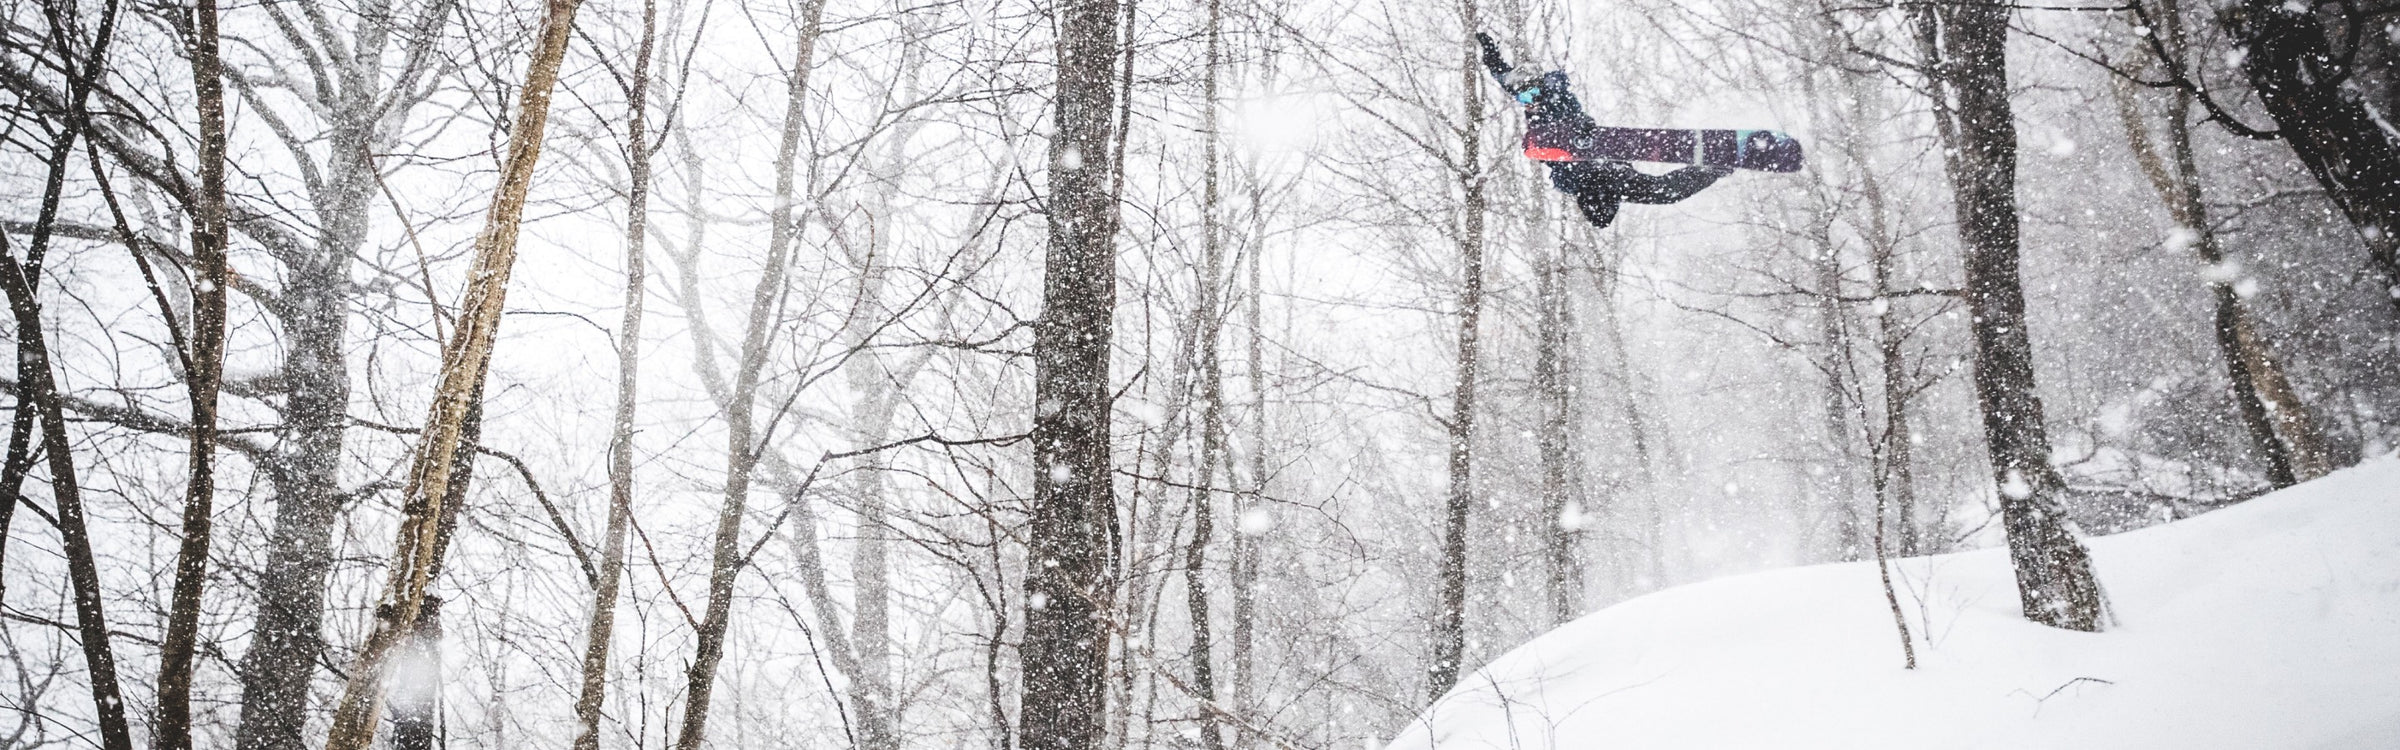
<point>1491,55</point>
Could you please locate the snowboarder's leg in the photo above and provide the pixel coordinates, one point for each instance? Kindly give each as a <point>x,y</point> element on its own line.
<point>1599,206</point>
<point>1670,187</point>
<point>1570,177</point>
<point>1594,188</point>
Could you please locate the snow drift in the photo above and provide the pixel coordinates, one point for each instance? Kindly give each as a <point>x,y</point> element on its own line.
<point>2271,624</point>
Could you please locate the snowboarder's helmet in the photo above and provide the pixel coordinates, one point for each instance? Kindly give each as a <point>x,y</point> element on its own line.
<point>1517,80</point>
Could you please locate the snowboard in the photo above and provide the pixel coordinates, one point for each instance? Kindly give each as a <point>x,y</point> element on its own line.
<point>1762,150</point>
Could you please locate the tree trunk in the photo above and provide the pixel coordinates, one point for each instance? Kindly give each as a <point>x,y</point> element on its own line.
<point>1072,540</point>
<point>1211,320</point>
<point>1450,609</point>
<point>1965,50</point>
<point>1554,385</point>
<point>594,688</point>
<point>417,720</point>
<point>1251,528</point>
<point>313,312</point>
<point>288,632</point>
<point>465,361</point>
<point>1633,391</point>
<point>2231,322</point>
<point>2301,83</point>
<point>83,573</point>
<point>1254,523</point>
<point>742,450</point>
<point>1851,532</point>
<point>1130,598</point>
<point>204,366</point>
<point>38,393</point>
<point>881,384</point>
<point>2254,374</point>
<point>417,698</point>
<point>1895,475</point>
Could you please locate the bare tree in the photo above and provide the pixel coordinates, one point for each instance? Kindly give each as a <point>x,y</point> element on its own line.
<point>37,387</point>
<point>1450,609</point>
<point>465,361</point>
<point>638,147</point>
<point>743,446</point>
<point>1208,317</point>
<point>1963,51</point>
<point>2262,395</point>
<point>1555,375</point>
<point>204,367</point>
<point>362,101</point>
<point>1072,543</point>
<point>313,309</point>
<point>2301,79</point>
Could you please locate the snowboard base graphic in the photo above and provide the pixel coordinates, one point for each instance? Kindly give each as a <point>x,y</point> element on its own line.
<point>1762,150</point>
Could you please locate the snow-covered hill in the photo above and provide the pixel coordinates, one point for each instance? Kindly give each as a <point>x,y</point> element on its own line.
<point>2272,624</point>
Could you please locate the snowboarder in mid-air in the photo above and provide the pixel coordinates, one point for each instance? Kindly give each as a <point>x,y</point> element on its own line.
<point>1588,161</point>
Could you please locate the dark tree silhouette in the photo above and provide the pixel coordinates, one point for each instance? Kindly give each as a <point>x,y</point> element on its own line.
<point>1964,50</point>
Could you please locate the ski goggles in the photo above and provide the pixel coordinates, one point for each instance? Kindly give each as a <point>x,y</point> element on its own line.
<point>1526,95</point>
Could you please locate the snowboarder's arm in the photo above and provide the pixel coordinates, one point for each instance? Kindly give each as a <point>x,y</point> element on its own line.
<point>1491,58</point>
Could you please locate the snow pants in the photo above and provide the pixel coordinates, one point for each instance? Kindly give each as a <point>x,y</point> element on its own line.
<point>1600,187</point>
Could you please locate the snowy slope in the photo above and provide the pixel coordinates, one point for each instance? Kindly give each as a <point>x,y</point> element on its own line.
<point>2272,624</point>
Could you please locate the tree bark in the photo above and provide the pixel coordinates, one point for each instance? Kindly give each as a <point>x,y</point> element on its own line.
<point>1072,540</point>
<point>203,365</point>
<point>1450,608</point>
<point>1211,320</point>
<point>465,362</point>
<point>594,688</point>
<point>313,311</point>
<point>742,449</point>
<point>1554,385</point>
<point>1130,599</point>
<point>2255,376</point>
<point>417,701</point>
<point>1254,523</point>
<point>417,720</point>
<point>38,390</point>
<point>1964,46</point>
<point>1896,484</point>
<point>1896,473</point>
<point>1249,536</point>
<point>871,693</point>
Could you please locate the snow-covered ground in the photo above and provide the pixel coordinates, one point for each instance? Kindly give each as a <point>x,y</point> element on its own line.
<point>2271,624</point>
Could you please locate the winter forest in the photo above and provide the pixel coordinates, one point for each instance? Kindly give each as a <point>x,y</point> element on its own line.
<point>1107,374</point>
